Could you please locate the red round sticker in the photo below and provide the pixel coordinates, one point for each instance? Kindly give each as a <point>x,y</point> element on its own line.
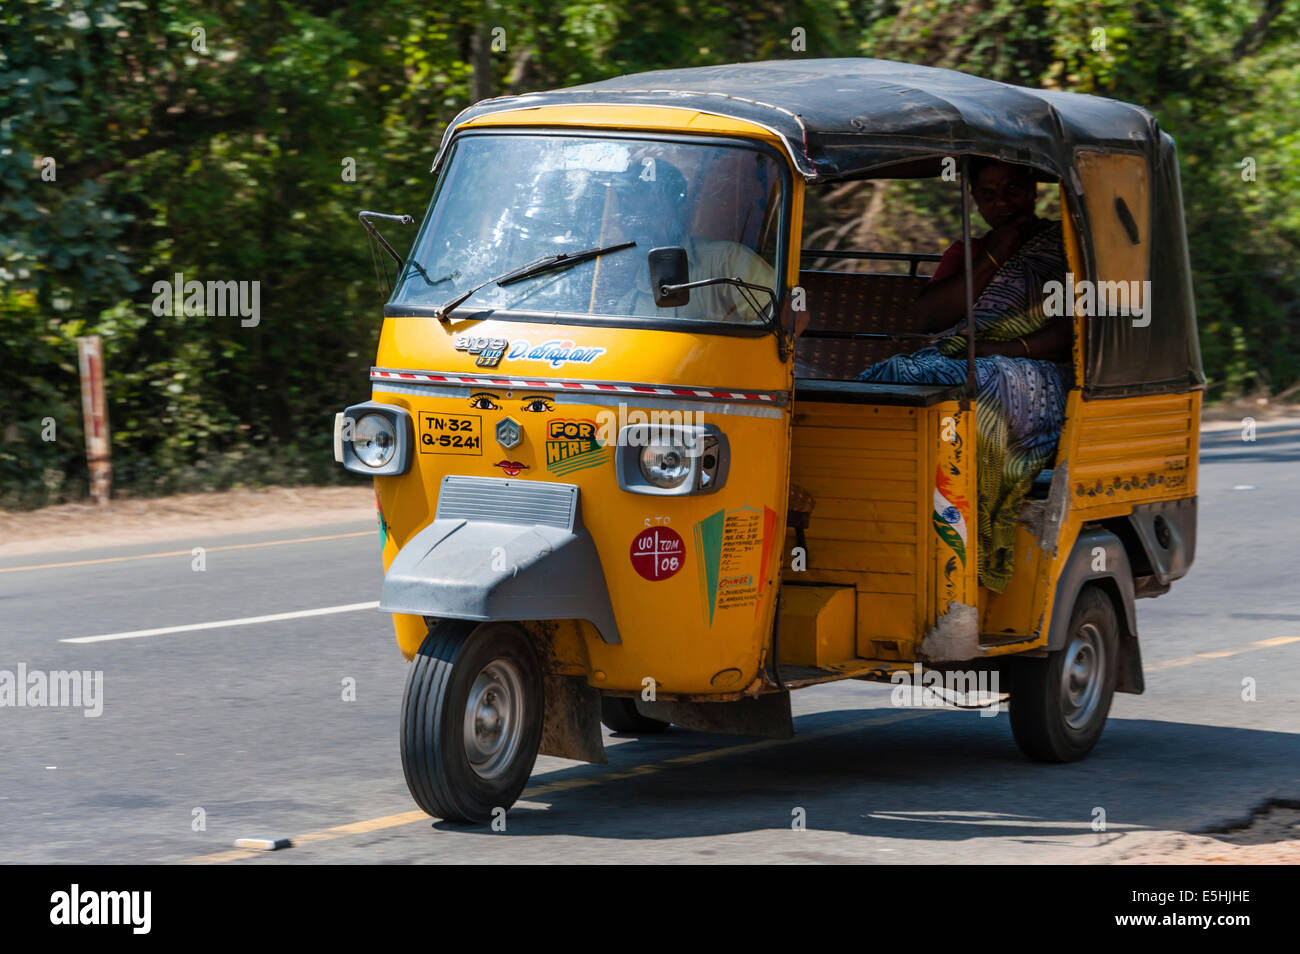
<point>658,553</point>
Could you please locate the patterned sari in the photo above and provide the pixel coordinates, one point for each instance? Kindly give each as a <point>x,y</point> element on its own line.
<point>1020,403</point>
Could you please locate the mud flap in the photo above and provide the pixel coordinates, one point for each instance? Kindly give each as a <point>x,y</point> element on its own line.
<point>571,729</point>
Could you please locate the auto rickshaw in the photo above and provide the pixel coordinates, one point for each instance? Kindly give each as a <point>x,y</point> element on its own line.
<point>606,494</point>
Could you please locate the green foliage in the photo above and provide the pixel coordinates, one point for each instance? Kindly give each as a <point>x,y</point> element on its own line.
<point>222,160</point>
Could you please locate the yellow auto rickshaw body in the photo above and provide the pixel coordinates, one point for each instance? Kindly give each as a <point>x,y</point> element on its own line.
<point>874,471</point>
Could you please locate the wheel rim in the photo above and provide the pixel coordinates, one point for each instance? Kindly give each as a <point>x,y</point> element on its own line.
<point>493,718</point>
<point>1082,673</point>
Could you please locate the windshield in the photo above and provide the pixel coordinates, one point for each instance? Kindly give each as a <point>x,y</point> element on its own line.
<point>506,200</point>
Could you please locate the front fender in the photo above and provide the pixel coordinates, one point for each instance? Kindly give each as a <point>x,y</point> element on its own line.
<point>466,565</point>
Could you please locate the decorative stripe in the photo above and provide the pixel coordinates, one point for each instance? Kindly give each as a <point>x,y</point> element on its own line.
<point>773,398</point>
<point>564,399</point>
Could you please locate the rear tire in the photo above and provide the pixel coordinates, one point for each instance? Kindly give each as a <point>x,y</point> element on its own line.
<point>1059,704</point>
<point>620,715</point>
<point>471,719</point>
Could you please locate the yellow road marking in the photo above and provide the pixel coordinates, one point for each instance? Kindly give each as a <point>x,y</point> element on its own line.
<point>373,824</point>
<point>1278,641</point>
<point>529,794</point>
<point>328,834</point>
<point>172,553</point>
<point>1222,653</point>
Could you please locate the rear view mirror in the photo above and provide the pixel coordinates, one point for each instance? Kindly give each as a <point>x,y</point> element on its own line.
<point>668,268</point>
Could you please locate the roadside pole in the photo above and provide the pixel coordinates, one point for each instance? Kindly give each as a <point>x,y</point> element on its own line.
<point>94,412</point>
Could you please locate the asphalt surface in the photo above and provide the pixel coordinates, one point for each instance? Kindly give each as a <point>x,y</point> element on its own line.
<point>245,728</point>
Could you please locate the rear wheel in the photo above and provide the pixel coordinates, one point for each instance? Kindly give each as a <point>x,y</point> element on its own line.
<point>1059,704</point>
<point>620,715</point>
<point>471,719</point>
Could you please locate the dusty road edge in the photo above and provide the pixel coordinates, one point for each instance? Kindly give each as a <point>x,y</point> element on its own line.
<point>69,528</point>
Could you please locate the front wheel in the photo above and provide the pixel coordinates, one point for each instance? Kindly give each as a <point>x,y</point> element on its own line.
<point>471,719</point>
<point>1059,704</point>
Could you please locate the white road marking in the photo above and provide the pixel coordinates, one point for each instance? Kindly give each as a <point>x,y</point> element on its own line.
<point>221,623</point>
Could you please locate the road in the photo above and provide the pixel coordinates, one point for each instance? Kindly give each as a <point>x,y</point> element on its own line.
<point>208,735</point>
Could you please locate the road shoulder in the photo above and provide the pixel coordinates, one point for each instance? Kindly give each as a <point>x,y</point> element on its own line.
<point>82,526</point>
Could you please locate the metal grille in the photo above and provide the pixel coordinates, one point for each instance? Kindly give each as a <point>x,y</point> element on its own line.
<point>501,500</point>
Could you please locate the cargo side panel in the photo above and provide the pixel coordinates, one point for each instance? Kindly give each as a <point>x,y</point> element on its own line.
<point>866,467</point>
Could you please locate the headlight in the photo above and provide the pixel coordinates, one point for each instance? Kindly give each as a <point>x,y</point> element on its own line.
<point>673,460</point>
<point>665,463</point>
<point>374,439</point>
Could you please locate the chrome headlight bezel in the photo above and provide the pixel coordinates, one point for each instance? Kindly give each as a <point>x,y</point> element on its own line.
<point>708,455</point>
<point>404,436</point>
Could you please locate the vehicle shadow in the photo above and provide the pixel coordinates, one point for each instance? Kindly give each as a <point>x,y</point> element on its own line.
<point>944,776</point>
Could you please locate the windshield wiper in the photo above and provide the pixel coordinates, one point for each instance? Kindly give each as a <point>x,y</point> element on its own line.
<point>547,263</point>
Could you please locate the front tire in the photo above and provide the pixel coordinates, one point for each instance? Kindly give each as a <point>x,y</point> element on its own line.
<point>1059,704</point>
<point>471,719</point>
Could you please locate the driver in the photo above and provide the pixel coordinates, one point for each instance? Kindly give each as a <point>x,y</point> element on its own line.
<point>649,206</point>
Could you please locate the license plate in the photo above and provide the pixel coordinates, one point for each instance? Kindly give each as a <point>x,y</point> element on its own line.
<point>451,434</point>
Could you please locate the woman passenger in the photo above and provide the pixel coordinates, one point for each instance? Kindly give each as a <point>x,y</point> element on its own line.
<point>1021,363</point>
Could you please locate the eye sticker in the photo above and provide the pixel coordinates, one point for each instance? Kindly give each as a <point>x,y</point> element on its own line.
<point>483,401</point>
<point>538,404</point>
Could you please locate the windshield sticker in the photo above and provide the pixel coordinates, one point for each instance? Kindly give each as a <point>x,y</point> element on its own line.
<point>572,445</point>
<point>734,546</point>
<point>489,350</point>
<point>588,157</point>
<point>555,353</point>
<point>658,553</point>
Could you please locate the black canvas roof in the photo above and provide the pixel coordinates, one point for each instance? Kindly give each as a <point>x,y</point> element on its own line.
<point>842,117</point>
